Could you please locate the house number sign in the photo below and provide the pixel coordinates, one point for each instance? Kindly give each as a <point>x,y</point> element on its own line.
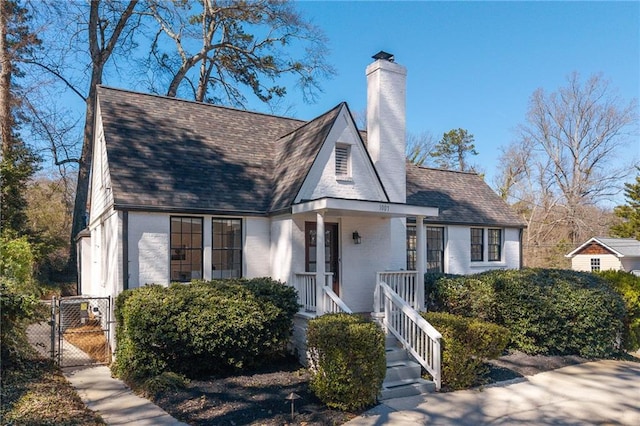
<point>384,207</point>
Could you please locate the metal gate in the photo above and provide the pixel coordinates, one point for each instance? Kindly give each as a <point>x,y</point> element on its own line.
<point>78,332</point>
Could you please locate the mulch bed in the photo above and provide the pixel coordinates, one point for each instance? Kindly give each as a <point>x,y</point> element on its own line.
<point>255,399</point>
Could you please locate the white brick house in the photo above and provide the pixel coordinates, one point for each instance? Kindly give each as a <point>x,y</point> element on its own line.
<point>183,190</point>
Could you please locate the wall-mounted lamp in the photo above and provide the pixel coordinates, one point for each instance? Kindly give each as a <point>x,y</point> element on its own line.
<point>357,239</point>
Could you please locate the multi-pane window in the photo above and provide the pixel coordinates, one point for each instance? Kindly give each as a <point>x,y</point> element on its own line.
<point>226,250</point>
<point>595,264</point>
<point>495,244</point>
<point>342,160</point>
<point>411,248</point>
<point>477,244</point>
<point>186,248</point>
<point>435,249</point>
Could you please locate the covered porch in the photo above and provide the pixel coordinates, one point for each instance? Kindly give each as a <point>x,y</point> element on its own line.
<point>393,295</point>
<point>364,259</point>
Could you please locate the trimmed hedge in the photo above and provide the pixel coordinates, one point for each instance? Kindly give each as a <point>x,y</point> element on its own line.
<point>201,328</point>
<point>466,344</point>
<point>547,311</point>
<point>347,360</point>
<point>627,286</point>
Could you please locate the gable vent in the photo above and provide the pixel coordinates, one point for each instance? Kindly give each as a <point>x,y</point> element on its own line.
<point>342,160</point>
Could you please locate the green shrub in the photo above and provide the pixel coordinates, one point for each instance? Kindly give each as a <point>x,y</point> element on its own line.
<point>19,304</point>
<point>347,360</point>
<point>627,286</point>
<point>166,381</point>
<point>462,295</point>
<point>547,311</point>
<point>201,328</point>
<point>466,344</point>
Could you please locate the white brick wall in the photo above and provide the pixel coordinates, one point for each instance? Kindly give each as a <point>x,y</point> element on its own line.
<point>386,125</point>
<point>148,248</point>
<point>256,256</point>
<point>281,251</point>
<point>458,251</point>
<point>321,180</point>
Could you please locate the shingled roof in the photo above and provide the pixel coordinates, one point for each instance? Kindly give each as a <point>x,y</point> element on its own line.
<point>170,154</point>
<point>461,198</point>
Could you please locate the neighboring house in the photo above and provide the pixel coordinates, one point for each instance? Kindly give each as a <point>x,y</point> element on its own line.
<point>183,190</point>
<point>602,254</point>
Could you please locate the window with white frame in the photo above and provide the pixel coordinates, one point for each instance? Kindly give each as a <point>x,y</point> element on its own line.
<point>186,248</point>
<point>595,264</point>
<point>226,250</point>
<point>342,154</point>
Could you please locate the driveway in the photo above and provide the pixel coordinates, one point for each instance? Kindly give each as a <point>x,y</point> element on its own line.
<point>603,392</point>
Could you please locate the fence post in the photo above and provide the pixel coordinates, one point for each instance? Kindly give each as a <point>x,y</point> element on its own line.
<point>52,323</point>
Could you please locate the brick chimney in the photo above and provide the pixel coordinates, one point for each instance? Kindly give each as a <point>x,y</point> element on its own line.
<point>386,123</point>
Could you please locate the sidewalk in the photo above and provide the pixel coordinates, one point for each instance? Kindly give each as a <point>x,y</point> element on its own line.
<point>113,400</point>
<point>602,392</point>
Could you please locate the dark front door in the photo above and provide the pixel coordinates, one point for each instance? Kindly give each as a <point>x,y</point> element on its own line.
<point>331,258</point>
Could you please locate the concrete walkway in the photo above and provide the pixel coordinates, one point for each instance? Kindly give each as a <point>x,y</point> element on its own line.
<point>113,400</point>
<point>602,392</point>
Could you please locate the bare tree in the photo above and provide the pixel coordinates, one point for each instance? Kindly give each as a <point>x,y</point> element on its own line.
<point>99,28</point>
<point>562,166</point>
<point>241,45</point>
<point>575,135</point>
<point>419,148</point>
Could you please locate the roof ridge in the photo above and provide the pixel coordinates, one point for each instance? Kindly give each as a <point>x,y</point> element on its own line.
<point>310,122</point>
<point>445,170</point>
<point>169,98</point>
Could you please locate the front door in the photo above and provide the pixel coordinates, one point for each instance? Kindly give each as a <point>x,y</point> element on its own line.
<point>330,251</point>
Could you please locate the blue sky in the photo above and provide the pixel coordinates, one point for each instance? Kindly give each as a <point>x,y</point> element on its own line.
<point>475,65</point>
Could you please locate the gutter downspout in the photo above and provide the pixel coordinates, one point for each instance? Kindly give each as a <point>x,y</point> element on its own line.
<point>125,250</point>
<point>521,249</point>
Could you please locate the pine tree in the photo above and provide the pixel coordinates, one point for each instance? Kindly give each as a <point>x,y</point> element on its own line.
<point>452,150</point>
<point>18,163</point>
<point>629,213</point>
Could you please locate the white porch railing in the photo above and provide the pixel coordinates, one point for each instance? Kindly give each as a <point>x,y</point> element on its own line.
<point>305,283</point>
<point>405,284</point>
<point>414,332</point>
<point>333,304</point>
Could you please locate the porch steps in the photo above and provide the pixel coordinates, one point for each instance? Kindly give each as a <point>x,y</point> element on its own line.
<point>403,374</point>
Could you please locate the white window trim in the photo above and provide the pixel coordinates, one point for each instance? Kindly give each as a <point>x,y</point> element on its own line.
<point>485,248</point>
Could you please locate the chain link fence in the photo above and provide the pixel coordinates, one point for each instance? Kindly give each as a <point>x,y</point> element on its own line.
<point>77,332</point>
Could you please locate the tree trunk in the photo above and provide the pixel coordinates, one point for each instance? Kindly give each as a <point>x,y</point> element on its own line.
<point>6,119</point>
<point>100,54</point>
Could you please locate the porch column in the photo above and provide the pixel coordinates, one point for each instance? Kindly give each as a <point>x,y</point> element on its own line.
<point>421,258</point>
<point>320,309</point>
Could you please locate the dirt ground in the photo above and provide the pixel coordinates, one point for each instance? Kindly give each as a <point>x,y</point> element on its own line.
<point>259,399</point>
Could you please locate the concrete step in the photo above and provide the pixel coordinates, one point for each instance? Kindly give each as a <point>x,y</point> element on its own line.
<point>402,370</point>
<point>405,388</point>
<point>396,354</point>
<point>403,376</point>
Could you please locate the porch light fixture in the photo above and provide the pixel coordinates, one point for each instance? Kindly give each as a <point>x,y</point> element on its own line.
<point>357,239</point>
